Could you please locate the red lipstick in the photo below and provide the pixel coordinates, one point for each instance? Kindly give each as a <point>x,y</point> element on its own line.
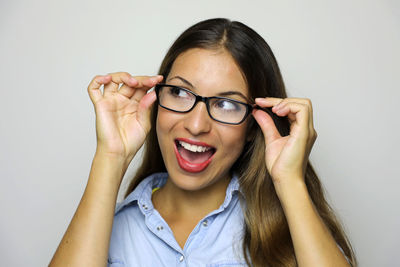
<point>190,166</point>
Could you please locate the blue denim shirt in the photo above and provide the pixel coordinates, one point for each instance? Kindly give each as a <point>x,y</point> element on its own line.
<point>141,237</point>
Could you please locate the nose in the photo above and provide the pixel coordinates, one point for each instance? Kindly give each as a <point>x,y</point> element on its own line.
<point>197,121</point>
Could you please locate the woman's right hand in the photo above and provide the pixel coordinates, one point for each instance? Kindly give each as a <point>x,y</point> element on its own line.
<point>122,112</point>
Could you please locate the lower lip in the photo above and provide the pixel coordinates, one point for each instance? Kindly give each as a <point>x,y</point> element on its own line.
<point>191,167</point>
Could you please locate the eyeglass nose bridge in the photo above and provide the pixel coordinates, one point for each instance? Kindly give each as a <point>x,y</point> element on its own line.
<point>200,98</point>
<point>204,99</point>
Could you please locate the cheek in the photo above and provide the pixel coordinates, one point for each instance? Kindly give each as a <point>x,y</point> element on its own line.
<point>233,141</point>
<point>166,123</point>
<point>162,134</point>
<point>160,128</point>
<point>162,121</point>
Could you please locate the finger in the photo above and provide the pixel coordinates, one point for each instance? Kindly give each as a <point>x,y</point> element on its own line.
<point>278,103</point>
<point>267,126</point>
<point>268,101</point>
<point>144,110</point>
<point>94,91</point>
<point>307,102</point>
<point>312,134</point>
<point>148,82</point>
<point>134,94</point>
<point>116,79</point>
<point>298,115</point>
<point>138,94</point>
<point>127,91</point>
<point>143,83</point>
<point>303,101</point>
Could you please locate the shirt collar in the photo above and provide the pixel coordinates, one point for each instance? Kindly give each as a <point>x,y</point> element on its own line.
<point>143,191</point>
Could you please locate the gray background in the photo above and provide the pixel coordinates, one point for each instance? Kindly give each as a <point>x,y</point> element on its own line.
<point>344,55</point>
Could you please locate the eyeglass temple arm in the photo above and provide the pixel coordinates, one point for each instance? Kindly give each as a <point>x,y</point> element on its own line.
<point>268,110</point>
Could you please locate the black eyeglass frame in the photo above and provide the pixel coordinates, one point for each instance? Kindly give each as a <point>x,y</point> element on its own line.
<point>204,99</point>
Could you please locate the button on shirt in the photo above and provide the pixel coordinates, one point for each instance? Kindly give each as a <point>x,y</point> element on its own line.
<point>141,237</point>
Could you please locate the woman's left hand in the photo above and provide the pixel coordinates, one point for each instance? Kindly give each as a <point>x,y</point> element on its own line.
<point>286,157</point>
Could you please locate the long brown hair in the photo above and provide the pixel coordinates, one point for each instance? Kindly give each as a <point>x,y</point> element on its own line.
<point>267,240</point>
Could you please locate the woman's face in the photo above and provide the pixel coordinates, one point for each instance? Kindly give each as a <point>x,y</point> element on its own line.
<point>206,73</point>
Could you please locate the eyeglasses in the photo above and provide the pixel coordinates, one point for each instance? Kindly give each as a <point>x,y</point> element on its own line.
<point>221,109</point>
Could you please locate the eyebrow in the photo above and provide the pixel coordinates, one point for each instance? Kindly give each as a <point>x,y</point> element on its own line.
<point>182,79</point>
<point>228,93</point>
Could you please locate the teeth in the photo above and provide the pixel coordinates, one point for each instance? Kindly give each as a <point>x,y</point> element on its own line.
<point>194,148</point>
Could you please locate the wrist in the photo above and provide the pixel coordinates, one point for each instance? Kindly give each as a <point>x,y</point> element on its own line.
<point>114,158</point>
<point>290,189</point>
<point>106,174</point>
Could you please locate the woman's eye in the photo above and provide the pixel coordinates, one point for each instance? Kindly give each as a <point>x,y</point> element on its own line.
<point>178,92</point>
<point>227,105</point>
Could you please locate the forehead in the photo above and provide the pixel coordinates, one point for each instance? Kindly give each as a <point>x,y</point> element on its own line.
<point>209,71</point>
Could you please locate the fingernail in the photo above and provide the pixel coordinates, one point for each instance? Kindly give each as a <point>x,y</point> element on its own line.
<point>154,79</point>
<point>260,99</point>
<point>101,79</point>
<point>277,107</point>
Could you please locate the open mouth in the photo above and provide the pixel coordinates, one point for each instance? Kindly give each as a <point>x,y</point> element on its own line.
<point>193,157</point>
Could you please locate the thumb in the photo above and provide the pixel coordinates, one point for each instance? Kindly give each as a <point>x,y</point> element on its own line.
<point>267,126</point>
<point>144,109</point>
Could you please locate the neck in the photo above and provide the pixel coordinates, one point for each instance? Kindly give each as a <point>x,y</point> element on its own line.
<point>171,200</point>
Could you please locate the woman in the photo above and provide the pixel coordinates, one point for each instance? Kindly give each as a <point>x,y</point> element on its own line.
<point>225,178</point>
